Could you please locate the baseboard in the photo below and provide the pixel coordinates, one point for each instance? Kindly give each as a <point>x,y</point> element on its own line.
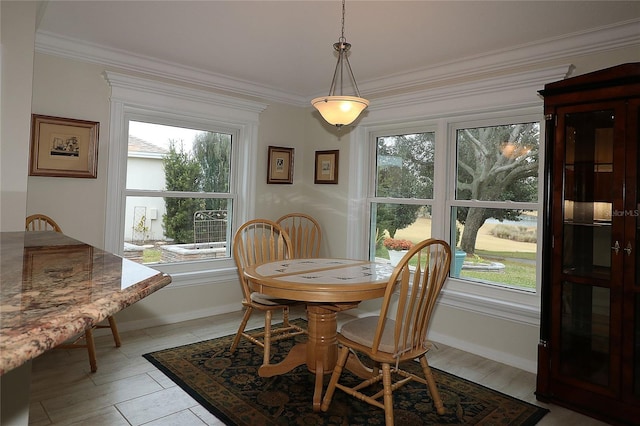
<point>483,351</point>
<point>171,319</point>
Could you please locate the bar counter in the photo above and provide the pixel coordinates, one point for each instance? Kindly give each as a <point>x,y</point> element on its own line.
<point>53,287</point>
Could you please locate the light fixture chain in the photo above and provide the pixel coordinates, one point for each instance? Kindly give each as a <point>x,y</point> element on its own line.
<point>343,11</point>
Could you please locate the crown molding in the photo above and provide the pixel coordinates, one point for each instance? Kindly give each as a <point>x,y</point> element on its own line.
<point>128,88</point>
<point>528,81</point>
<point>611,37</point>
<point>605,38</point>
<point>74,49</point>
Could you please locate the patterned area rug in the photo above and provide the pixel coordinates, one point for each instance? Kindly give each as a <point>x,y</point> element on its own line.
<point>229,387</point>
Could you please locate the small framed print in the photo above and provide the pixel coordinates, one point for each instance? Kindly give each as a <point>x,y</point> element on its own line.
<point>326,167</point>
<point>63,147</point>
<point>280,166</point>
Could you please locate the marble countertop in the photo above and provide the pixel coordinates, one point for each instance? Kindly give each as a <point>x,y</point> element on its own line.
<point>53,287</point>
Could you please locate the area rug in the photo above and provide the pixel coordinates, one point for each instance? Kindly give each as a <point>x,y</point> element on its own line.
<point>227,384</point>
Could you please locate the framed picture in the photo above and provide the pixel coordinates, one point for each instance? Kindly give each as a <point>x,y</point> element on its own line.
<point>326,167</point>
<point>280,166</point>
<point>63,147</point>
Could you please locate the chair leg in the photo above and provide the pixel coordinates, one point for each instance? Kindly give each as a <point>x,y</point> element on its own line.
<point>285,316</point>
<point>114,331</point>
<point>388,395</point>
<point>91,348</point>
<point>431,382</point>
<point>243,324</point>
<point>337,371</point>
<point>267,337</point>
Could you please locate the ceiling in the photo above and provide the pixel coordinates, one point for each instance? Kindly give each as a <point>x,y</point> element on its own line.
<point>286,46</point>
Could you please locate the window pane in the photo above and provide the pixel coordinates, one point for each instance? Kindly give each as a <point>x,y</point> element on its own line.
<point>397,224</point>
<point>177,159</point>
<point>498,163</point>
<point>404,166</point>
<point>153,234</point>
<point>163,227</point>
<point>496,246</point>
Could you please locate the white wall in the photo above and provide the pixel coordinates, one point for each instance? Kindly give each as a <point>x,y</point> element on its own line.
<point>17,38</point>
<point>295,127</point>
<point>72,89</point>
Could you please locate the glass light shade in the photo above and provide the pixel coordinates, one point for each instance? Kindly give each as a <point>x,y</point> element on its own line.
<point>340,110</point>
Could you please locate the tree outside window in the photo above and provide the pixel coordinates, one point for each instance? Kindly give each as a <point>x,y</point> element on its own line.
<point>404,188</point>
<point>496,187</point>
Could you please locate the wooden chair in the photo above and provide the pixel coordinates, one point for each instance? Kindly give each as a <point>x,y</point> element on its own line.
<point>41,222</point>
<point>305,234</point>
<point>390,341</point>
<point>259,241</point>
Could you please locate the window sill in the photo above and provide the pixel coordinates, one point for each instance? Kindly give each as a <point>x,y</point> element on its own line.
<point>511,310</point>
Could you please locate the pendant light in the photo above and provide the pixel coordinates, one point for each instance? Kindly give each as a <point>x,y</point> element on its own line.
<point>341,110</point>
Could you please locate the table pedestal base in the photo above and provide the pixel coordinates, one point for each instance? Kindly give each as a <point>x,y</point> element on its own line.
<point>320,353</point>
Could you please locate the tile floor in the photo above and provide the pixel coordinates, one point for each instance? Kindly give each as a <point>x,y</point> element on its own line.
<point>128,390</point>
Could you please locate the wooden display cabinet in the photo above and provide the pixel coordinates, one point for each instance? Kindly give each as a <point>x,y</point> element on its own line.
<point>589,350</point>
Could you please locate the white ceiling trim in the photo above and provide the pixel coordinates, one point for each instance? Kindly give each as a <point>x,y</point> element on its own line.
<point>128,89</point>
<point>605,38</point>
<point>534,79</point>
<point>74,49</point>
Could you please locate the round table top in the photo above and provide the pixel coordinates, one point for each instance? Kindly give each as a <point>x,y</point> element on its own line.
<point>321,279</point>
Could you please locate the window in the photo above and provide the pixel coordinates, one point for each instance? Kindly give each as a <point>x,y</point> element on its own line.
<point>181,173</point>
<point>454,175</point>
<point>449,112</point>
<point>403,191</point>
<point>178,198</point>
<point>494,204</point>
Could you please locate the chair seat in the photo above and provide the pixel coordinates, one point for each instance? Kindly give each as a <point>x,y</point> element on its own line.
<point>263,299</point>
<point>363,330</point>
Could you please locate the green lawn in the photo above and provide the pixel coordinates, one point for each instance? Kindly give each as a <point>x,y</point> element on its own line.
<point>151,255</point>
<point>506,254</point>
<point>515,274</point>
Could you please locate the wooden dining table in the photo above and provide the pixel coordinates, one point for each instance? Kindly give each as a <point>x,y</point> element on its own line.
<point>328,286</point>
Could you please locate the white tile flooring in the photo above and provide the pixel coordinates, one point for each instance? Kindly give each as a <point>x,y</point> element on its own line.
<point>128,390</point>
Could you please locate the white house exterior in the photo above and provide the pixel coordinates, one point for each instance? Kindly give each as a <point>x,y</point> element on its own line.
<point>143,215</point>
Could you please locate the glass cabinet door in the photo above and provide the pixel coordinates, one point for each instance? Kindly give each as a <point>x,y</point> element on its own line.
<point>588,244</point>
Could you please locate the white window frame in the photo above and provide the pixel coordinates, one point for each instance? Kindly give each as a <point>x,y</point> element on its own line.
<point>371,198</point>
<point>511,98</point>
<point>139,99</point>
<point>497,119</point>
